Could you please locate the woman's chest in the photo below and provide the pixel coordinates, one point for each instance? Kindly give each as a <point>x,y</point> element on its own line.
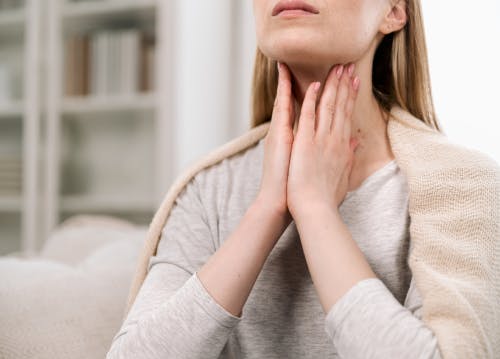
<point>282,313</point>
<point>283,316</point>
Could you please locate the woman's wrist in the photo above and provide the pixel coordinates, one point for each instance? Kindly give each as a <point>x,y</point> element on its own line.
<point>314,210</point>
<point>270,210</point>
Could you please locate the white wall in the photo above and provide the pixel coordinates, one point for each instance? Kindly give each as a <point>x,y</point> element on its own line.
<point>213,61</point>
<point>463,39</point>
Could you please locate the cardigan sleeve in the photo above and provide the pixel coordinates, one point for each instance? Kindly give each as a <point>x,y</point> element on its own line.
<point>173,315</point>
<point>369,322</point>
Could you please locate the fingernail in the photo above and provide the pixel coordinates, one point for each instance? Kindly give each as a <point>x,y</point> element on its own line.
<point>316,86</point>
<point>278,65</point>
<point>350,69</point>
<point>340,69</point>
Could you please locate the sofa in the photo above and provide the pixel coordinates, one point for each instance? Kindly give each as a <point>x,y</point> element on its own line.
<point>68,301</point>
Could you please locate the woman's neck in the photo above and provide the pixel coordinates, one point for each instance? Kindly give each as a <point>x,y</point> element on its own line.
<point>369,124</point>
<point>367,118</point>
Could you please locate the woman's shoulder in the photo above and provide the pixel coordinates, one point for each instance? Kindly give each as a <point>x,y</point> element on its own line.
<point>463,162</point>
<point>456,169</point>
<point>443,174</point>
<point>238,158</point>
<point>426,152</point>
<point>233,166</point>
<point>454,181</point>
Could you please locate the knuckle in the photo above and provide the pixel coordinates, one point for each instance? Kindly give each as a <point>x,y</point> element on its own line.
<point>330,108</point>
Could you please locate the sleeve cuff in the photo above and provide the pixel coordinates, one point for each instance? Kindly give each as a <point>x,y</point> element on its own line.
<point>368,321</point>
<point>356,298</point>
<point>210,305</point>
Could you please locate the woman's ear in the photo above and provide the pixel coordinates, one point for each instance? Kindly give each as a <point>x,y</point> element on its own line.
<point>396,18</point>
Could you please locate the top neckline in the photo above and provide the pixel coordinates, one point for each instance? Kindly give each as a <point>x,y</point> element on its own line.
<point>372,177</point>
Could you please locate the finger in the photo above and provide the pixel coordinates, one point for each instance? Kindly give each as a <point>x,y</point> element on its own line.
<point>353,92</point>
<point>308,111</point>
<point>293,110</point>
<point>341,99</point>
<point>327,101</point>
<point>282,102</point>
<point>287,75</point>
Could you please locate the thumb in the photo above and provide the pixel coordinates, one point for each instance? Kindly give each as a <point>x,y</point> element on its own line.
<point>283,111</point>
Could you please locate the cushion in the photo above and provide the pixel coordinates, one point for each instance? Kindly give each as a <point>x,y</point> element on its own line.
<point>69,301</point>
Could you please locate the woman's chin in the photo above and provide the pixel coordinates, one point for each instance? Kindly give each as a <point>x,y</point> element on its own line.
<point>299,55</point>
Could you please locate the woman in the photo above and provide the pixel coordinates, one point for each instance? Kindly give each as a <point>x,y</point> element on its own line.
<point>343,224</point>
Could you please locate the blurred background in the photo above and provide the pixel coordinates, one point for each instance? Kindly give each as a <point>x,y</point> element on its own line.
<point>103,103</point>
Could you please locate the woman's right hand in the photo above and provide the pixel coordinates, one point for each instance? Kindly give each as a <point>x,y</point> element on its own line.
<point>278,147</point>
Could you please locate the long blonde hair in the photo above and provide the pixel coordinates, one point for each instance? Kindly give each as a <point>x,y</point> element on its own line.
<point>400,74</point>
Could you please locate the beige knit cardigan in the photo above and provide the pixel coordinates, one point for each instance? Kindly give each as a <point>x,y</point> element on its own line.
<point>454,205</point>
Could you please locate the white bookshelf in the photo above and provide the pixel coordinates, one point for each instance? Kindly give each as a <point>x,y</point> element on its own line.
<point>96,154</point>
<point>101,154</point>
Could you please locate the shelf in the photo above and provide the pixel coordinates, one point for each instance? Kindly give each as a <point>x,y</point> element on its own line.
<point>10,203</point>
<point>94,203</point>
<point>104,104</point>
<point>88,15</point>
<point>11,109</point>
<point>11,22</point>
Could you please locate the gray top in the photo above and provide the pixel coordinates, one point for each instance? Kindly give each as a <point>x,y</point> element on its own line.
<point>174,316</point>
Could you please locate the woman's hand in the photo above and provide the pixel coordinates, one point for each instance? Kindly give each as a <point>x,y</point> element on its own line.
<point>278,147</point>
<point>323,152</point>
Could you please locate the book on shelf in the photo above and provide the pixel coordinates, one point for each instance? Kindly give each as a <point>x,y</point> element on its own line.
<point>147,63</point>
<point>10,175</point>
<point>77,51</point>
<point>109,62</point>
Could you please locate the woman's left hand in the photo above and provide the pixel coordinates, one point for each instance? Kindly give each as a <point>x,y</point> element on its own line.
<point>323,151</point>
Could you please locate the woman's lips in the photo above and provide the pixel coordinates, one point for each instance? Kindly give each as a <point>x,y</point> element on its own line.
<point>293,13</point>
<point>293,8</point>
